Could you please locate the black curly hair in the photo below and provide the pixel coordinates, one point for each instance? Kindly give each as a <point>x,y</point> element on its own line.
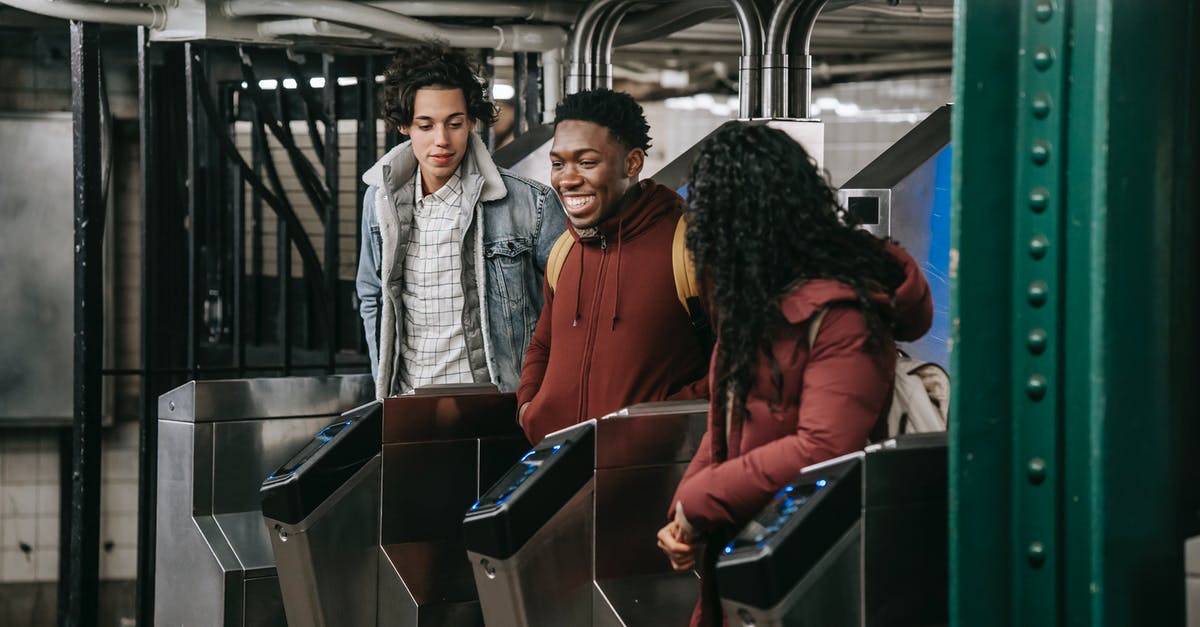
<point>432,64</point>
<point>616,111</point>
<point>762,220</point>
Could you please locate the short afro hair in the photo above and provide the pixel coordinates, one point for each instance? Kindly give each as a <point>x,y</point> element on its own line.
<point>616,111</point>
<point>432,64</point>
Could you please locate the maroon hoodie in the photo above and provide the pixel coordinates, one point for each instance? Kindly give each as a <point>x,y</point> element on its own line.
<point>833,397</point>
<point>613,333</point>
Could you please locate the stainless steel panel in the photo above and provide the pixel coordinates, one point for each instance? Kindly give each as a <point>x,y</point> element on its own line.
<point>438,589</point>
<point>664,599</point>
<point>419,418</point>
<point>263,604</point>
<point>1191,563</point>
<point>214,564</point>
<point>427,488</point>
<point>239,399</point>
<point>650,437</point>
<point>245,452</point>
<point>807,133</point>
<point>36,307</point>
<point>328,563</point>
<point>189,574</point>
<point>548,582</point>
<point>631,506</point>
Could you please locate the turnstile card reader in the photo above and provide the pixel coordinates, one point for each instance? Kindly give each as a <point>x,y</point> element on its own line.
<point>322,514</point>
<point>859,541</point>
<point>529,537</point>
<point>441,446</point>
<point>567,537</point>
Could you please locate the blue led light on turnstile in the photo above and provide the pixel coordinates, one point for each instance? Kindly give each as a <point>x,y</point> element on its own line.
<point>323,437</point>
<point>513,479</point>
<point>784,505</point>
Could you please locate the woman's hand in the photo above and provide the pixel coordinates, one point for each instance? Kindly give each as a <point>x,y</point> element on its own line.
<point>681,549</point>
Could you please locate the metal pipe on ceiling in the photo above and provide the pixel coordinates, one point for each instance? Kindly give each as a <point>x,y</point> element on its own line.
<point>149,15</point>
<point>787,65</point>
<point>583,42</point>
<point>506,38</point>
<point>308,27</point>
<point>543,11</point>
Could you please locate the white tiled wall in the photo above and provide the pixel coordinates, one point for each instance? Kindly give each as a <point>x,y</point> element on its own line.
<point>29,504</point>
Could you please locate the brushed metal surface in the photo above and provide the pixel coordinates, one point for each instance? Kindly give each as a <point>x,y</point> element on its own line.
<point>548,582</point>
<point>217,442</point>
<point>327,563</point>
<point>245,452</point>
<point>664,599</point>
<point>433,572</point>
<point>239,399</point>
<point>631,506</point>
<point>428,418</point>
<point>655,436</point>
<point>189,574</point>
<point>37,306</point>
<point>427,487</point>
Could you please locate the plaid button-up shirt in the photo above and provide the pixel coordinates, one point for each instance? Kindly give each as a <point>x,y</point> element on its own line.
<point>434,347</point>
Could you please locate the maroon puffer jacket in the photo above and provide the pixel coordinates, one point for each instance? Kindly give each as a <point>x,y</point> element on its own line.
<point>833,397</point>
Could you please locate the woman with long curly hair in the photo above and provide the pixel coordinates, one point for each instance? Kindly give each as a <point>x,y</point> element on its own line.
<point>774,251</point>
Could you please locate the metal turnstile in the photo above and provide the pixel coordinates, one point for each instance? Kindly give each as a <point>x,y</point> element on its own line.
<point>217,440</point>
<point>904,194</point>
<point>1191,564</point>
<point>441,446</point>
<point>322,514</point>
<point>567,536</point>
<point>859,540</point>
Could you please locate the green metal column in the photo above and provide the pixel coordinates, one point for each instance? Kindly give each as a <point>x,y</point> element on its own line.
<point>1075,418</point>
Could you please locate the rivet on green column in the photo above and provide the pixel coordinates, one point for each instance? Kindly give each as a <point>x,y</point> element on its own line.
<point>1038,199</point>
<point>1044,10</point>
<point>1040,151</point>
<point>1043,58</point>
<point>1037,470</point>
<point>1036,387</point>
<point>1036,554</point>
<point>1040,106</point>
<point>1036,341</point>
<point>1038,245</point>
<point>1038,292</point>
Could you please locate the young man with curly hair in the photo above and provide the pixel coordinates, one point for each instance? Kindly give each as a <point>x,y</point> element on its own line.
<point>454,247</point>
<point>613,331</point>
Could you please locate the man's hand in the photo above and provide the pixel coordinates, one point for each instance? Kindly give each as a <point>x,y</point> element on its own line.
<point>681,549</point>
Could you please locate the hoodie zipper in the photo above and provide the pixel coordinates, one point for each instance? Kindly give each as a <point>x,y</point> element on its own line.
<point>593,324</point>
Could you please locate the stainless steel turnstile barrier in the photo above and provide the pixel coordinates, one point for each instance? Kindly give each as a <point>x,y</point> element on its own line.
<point>858,541</point>
<point>322,514</point>
<point>1191,563</point>
<point>441,446</point>
<point>217,441</point>
<point>567,536</point>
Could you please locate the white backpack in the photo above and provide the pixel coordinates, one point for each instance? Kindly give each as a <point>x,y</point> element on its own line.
<point>920,396</point>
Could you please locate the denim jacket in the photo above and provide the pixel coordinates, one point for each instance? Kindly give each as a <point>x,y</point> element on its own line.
<point>509,224</point>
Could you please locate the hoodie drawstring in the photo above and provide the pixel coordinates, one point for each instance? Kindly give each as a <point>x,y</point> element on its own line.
<point>579,287</point>
<point>617,294</point>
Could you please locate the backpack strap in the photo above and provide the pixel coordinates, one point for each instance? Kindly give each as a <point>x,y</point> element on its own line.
<point>681,264</point>
<point>687,288</point>
<point>558,257</point>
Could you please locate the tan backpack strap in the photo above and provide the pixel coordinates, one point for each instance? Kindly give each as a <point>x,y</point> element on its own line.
<point>814,325</point>
<point>686,286</point>
<point>558,257</point>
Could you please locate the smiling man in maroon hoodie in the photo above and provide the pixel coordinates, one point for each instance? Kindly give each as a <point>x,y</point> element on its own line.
<point>612,331</point>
